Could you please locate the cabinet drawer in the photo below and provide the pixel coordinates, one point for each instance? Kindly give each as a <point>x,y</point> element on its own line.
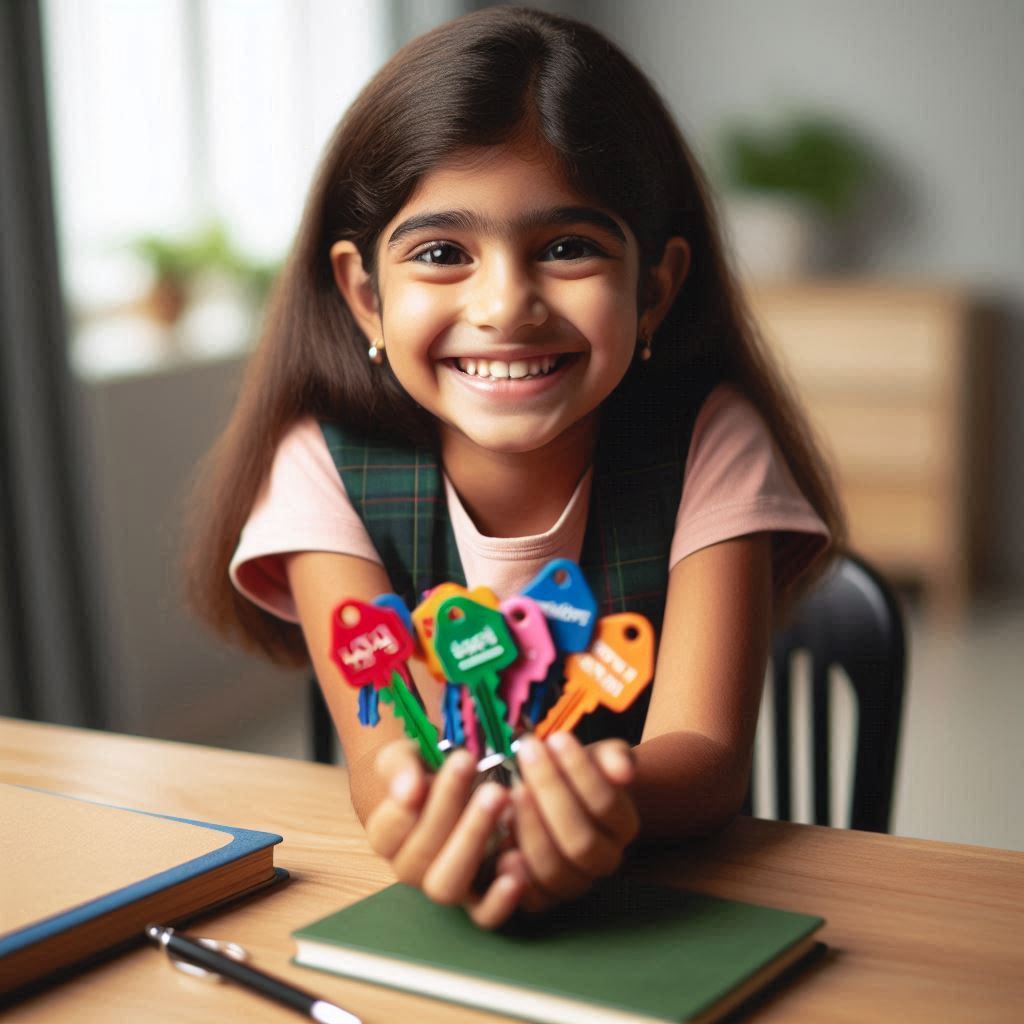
<point>902,528</point>
<point>869,438</point>
<point>891,345</point>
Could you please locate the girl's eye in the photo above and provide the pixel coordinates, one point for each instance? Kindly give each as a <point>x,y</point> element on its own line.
<point>439,254</point>
<point>572,248</point>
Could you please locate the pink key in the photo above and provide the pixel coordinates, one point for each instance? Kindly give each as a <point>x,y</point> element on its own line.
<point>529,629</point>
<point>470,726</point>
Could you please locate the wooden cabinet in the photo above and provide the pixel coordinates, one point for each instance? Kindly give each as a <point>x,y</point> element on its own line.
<point>893,378</point>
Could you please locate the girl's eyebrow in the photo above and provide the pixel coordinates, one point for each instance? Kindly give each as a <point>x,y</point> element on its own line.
<point>468,220</point>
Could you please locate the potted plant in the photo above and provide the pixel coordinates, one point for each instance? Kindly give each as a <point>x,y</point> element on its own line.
<point>178,264</point>
<point>789,190</point>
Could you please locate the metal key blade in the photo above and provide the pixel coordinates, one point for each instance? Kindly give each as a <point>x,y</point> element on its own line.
<point>491,711</point>
<point>566,712</point>
<point>417,726</point>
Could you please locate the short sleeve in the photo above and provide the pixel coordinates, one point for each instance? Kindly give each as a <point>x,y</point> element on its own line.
<point>737,482</point>
<point>303,506</point>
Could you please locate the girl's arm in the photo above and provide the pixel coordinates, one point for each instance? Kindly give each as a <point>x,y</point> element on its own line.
<point>581,806</point>
<point>319,581</point>
<point>434,830</point>
<point>693,763</point>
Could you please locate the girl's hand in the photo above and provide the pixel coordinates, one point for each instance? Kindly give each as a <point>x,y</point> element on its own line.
<point>435,831</point>
<point>574,816</point>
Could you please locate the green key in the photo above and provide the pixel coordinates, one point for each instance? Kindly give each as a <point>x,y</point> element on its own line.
<point>473,645</point>
<point>414,719</point>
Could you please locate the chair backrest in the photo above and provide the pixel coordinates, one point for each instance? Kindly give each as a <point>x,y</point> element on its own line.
<point>851,621</point>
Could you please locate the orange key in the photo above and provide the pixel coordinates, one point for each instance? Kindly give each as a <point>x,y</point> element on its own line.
<point>613,671</point>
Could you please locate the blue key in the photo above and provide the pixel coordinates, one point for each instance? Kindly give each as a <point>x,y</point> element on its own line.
<point>452,711</point>
<point>396,604</point>
<point>369,713</point>
<point>567,601</point>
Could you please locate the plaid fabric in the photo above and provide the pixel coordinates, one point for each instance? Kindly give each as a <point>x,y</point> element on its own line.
<point>399,495</point>
<point>638,480</point>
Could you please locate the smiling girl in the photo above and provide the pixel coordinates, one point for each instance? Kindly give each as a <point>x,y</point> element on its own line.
<point>507,333</point>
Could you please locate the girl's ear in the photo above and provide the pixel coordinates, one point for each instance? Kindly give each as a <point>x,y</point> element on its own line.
<point>664,281</point>
<point>356,287</point>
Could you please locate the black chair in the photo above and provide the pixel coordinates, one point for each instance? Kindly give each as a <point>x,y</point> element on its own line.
<point>851,621</point>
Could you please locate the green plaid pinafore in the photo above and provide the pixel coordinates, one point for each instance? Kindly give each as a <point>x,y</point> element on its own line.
<point>399,494</point>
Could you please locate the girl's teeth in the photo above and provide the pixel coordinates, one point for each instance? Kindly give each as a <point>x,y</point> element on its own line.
<point>497,369</point>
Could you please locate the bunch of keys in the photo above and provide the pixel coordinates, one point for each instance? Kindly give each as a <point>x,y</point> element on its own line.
<point>494,660</point>
<point>371,646</point>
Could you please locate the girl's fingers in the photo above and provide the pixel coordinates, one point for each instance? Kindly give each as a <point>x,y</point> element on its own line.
<point>449,877</point>
<point>551,873</point>
<point>449,792</point>
<point>389,825</point>
<point>597,775</point>
<point>399,765</point>
<point>532,899</point>
<point>580,839</point>
<point>392,820</point>
<point>498,903</point>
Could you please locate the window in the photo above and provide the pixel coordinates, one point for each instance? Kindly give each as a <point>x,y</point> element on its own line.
<point>184,137</point>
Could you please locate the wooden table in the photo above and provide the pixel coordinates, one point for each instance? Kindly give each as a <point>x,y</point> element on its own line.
<point>917,931</point>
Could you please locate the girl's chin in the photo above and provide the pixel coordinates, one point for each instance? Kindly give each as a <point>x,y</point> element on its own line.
<point>507,439</point>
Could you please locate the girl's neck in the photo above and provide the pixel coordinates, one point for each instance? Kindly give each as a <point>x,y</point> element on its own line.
<point>523,494</point>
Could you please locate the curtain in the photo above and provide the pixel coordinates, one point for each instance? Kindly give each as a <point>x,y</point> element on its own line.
<point>48,647</point>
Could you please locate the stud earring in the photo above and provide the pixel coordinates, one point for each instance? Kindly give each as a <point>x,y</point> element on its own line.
<point>376,351</point>
<point>644,352</point>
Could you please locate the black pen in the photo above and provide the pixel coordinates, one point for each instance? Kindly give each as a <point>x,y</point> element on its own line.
<point>274,988</point>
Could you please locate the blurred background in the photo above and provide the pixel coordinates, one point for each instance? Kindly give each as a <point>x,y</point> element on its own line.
<point>866,159</point>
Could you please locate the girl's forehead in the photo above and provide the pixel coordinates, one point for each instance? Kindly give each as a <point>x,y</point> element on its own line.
<point>513,185</point>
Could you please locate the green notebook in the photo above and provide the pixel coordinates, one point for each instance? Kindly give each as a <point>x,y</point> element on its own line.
<point>629,951</point>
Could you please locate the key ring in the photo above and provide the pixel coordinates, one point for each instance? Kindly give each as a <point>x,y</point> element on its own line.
<point>228,949</point>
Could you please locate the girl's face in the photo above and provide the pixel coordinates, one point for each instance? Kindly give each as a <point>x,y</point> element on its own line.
<point>508,304</point>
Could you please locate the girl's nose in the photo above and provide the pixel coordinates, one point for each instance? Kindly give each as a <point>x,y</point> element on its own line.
<point>504,298</point>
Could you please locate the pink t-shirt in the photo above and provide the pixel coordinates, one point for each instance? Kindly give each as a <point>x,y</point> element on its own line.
<point>736,482</point>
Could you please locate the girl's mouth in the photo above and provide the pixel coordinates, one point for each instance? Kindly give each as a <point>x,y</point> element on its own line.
<point>517,369</point>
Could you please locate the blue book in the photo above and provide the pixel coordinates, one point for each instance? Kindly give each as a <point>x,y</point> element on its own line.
<point>82,879</point>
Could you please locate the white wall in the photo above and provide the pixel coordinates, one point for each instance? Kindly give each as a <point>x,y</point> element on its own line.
<point>166,676</point>
<point>937,85</point>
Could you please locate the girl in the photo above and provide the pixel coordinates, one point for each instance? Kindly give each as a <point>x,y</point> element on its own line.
<point>507,333</point>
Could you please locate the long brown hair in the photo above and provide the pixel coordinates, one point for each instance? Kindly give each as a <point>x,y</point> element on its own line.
<point>483,79</point>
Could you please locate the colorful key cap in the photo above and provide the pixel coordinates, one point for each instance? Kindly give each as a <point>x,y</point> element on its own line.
<point>473,645</point>
<point>529,629</point>
<point>399,607</point>
<point>370,646</point>
<point>564,595</point>
<point>614,672</point>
